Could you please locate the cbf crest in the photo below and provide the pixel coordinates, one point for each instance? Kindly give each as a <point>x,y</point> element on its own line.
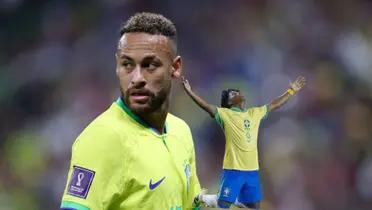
<point>247,124</point>
<point>247,129</point>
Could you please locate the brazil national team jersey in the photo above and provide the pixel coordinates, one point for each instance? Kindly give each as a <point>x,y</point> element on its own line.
<point>120,163</point>
<point>241,133</point>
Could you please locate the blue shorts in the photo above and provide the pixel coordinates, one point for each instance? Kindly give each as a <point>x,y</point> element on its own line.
<point>244,186</point>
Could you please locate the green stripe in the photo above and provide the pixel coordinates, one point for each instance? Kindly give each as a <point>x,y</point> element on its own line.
<point>237,109</point>
<point>73,205</point>
<point>121,103</point>
<point>218,119</point>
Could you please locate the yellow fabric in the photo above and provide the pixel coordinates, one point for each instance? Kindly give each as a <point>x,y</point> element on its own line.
<point>125,155</point>
<point>241,133</point>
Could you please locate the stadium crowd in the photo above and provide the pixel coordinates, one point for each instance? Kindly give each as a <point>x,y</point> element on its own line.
<point>57,72</point>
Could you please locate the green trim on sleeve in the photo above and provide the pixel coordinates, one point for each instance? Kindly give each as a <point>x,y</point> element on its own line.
<point>73,205</point>
<point>266,112</point>
<point>218,119</point>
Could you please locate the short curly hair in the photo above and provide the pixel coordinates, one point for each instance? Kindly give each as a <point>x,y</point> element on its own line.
<point>225,97</point>
<point>151,23</point>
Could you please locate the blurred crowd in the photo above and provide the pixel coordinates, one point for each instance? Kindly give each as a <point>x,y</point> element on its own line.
<point>57,73</point>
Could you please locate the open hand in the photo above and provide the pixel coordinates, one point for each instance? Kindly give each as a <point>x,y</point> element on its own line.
<point>298,84</point>
<point>186,84</point>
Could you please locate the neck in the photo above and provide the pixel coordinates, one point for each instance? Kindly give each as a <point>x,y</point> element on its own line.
<point>157,118</point>
<point>240,106</point>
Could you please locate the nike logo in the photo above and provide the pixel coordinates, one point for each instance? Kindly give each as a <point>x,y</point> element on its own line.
<point>156,184</point>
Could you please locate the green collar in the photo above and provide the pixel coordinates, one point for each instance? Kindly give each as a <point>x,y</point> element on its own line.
<point>237,109</point>
<point>122,105</point>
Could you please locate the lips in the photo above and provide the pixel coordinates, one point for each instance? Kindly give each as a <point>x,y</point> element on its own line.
<point>139,95</point>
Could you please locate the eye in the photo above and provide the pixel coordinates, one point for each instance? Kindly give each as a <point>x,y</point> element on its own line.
<point>151,65</point>
<point>127,65</point>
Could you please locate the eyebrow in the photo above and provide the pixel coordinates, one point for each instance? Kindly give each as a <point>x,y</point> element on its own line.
<point>122,56</point>
<point>147,57</point>
<point>170,53</point>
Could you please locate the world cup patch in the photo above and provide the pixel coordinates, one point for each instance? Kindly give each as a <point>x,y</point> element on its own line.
<point>81,179</point>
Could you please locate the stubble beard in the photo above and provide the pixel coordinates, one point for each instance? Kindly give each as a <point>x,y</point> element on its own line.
<point>154,103</point>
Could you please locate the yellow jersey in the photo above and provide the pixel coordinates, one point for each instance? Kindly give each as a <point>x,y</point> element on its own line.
<point>241,133</point>
<point>119,163</point>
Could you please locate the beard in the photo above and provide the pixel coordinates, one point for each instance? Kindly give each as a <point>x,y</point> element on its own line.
<point>154,102</point>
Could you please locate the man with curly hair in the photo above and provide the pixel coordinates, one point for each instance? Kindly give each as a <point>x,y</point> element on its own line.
<point>240,181</point>
<point>136,155</point>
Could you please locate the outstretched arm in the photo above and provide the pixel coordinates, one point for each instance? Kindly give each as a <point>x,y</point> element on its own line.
<point>211,109</point>
<point>294,87</point>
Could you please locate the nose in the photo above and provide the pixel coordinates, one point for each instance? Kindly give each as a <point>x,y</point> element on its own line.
<point>138,78</point>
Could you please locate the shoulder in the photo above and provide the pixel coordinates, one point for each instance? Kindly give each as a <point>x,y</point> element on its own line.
<point>180,131</point>
<point>113,117</point>
<point>179,128</point>
<point>177,123</point>
<point>259,111</point>
<point>98,148</point>
<point>111,122</point>
<point>97,138</point>
<point>262,108</point>
<point>104,124</point>
<point>101,134</point>
<point>223,111</point>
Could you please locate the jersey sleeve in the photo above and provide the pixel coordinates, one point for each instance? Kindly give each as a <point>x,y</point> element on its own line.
<point>95,169</point>
<point>260,112</point>
<point>219,117</point>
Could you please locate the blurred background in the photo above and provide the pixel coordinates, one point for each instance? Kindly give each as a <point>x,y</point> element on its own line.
<point>57,73</point>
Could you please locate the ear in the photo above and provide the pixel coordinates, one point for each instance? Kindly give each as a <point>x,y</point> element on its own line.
<point>177,67</point>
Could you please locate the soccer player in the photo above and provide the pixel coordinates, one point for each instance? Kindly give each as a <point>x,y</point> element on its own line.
<point>240,183</point>
<point>136,155</point>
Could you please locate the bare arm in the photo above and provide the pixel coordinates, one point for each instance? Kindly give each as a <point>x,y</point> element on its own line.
<point>293,89</point>
<point>211,109</point>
